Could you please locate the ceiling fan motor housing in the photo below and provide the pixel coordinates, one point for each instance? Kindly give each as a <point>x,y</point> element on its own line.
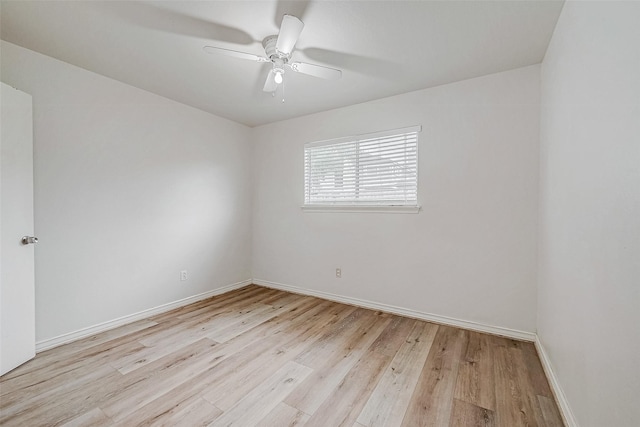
<point>269,44</point>
<point>278,58</point>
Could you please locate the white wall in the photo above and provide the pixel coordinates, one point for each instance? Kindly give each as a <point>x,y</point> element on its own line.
<point>130,188</point>
<point>470,254</point>
<point>589,291</point>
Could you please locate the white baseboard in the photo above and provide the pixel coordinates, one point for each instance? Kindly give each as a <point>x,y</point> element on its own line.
<point>105,326</point>
<point>435,318</point>
<point>563,404</point>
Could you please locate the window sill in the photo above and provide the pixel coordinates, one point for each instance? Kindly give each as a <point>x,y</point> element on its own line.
<point>362,209</point>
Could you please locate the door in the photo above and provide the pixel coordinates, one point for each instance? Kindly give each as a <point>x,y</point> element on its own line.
<point>17,290</point>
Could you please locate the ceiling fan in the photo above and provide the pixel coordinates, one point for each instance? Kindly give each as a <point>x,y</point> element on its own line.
<point>278,50</point>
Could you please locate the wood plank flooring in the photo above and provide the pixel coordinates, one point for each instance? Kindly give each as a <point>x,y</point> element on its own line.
<point>263,357</point>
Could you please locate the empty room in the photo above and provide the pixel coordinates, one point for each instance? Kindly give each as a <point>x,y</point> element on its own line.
<point>320,213</point>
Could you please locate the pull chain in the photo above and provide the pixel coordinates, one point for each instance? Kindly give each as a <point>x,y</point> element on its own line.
<point>283,91</point>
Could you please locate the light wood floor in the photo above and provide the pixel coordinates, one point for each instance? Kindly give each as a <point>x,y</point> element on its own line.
<point>258,356</point>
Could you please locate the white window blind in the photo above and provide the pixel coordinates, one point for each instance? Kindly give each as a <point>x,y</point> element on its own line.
<point>379,169</point>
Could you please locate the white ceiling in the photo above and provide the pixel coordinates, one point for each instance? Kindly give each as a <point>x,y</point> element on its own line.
<point>383,47</point>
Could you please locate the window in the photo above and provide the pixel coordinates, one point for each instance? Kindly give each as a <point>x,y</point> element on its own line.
<point>378,170</point>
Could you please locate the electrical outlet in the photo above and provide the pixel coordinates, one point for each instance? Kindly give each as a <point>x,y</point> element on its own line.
<point>338,273</point>
<point>183,275</point>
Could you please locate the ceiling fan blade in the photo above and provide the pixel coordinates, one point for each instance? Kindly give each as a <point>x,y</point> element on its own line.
<point>290,30</point>
<point>316,70</point>
<point>349,61</point>
<point>290,7</point>
<point>270,85</point>
<point>234,53</point>
<point>159,18</point>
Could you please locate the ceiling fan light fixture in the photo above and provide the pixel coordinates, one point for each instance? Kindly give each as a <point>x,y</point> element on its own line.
<point>278,77</point>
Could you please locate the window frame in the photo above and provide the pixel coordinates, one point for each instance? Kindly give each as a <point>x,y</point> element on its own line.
<point>362,207</point>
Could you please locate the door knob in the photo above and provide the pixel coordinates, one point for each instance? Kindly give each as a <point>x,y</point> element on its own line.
<point>29,240</point>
